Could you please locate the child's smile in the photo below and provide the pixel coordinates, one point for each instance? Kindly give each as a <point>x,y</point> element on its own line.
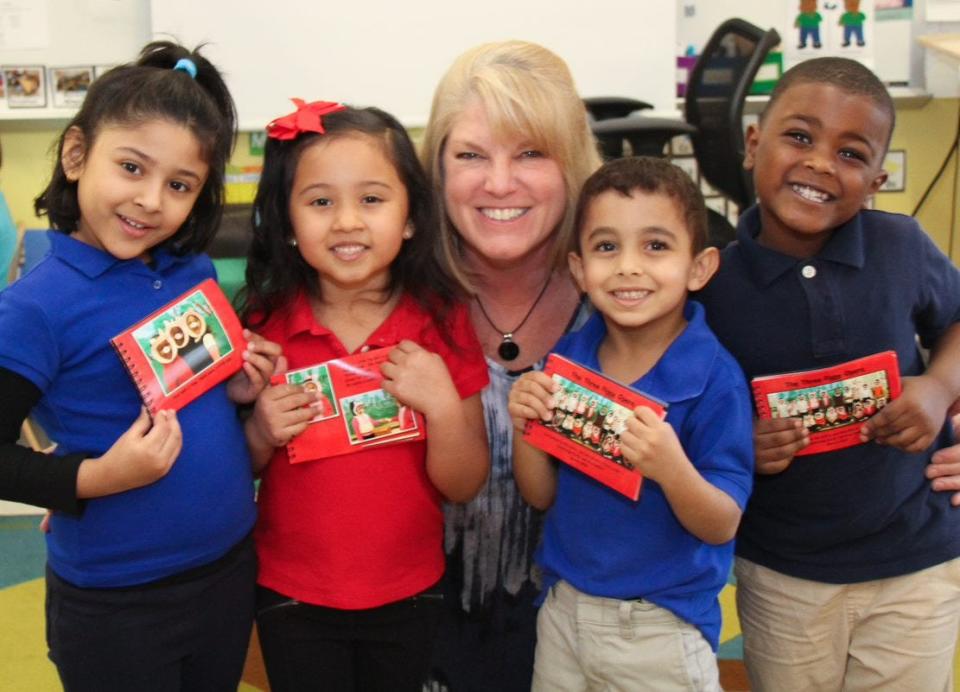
<point>349,209</point>
<point>816,158</point>
<point>136,185</point>
<point>636,261</point>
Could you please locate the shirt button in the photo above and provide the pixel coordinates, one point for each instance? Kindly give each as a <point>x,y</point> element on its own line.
<point>158,284</point>
<point>364,348</point>
<point>808,271</point>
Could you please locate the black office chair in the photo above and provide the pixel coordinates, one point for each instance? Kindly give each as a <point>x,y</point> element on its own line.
<point>713,108</point>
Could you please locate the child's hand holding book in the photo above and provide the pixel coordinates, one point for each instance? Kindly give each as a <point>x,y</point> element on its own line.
<point>282,411</point>
<point>419,378</point>
<point>260,358</point>
<point>142,455</point>
<point>650,445</point>
<point>531,398</point>
<point>775,443</point>
<point>912,421</point>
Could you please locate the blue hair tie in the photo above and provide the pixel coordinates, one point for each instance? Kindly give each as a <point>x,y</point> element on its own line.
<point>187,65</point>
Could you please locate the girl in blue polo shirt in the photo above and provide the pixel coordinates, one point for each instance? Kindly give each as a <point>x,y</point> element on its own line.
<point>150,573</point>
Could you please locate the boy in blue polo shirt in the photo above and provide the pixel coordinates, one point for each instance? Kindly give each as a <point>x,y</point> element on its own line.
<point>847,570</point>
<point>632,586</point>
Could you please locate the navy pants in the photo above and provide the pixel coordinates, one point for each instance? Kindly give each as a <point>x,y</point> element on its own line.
<point>307,647</point>
<point>185,633</point>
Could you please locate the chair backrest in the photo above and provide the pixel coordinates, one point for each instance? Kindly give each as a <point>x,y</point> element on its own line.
<point>716,92</point>
<point>9,240</point>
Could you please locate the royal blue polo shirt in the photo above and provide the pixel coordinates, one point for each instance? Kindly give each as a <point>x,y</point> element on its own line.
<point>607,545</point>
<point>866,512</point>
<point>56,323</point>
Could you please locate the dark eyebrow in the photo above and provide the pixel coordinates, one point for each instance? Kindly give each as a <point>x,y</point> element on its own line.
<point>646,230</point>
<point>814,121</point>
<point>182,172</point>
<point>325,186</point>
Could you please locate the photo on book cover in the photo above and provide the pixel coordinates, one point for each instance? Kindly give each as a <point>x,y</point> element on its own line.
<point>316,380</point>
<point>840,404</point>
<point>376,416</point>
<point>183,341</point>
<point>588,419</point>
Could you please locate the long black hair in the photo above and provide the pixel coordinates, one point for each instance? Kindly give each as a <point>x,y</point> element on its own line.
<point>145,90</point>
<point>276,271</point>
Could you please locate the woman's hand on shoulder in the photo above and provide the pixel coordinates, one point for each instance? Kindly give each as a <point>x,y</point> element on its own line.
<point>419,378</point>
<point>261,358</point>
<point>531,397</point>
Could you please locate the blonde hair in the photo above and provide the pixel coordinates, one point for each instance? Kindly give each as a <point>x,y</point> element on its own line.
<point>526,89</point>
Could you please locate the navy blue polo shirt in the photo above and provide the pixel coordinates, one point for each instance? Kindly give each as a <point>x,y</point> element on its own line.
<point>607,545</point>
<point>56,323</point>
<point>866,512</point>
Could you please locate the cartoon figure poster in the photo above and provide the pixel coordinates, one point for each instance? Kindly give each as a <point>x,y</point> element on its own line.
<point>819,28</point>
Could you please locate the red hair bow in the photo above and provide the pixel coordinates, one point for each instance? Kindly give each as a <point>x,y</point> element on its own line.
<point>307,118</point>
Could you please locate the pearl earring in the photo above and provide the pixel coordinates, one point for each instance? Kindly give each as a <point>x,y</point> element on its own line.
<point>292,242</point>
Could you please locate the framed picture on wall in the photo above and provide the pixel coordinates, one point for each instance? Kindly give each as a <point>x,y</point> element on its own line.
<point>895,164</point>
<point>25,86</point>
<point>69,85</point>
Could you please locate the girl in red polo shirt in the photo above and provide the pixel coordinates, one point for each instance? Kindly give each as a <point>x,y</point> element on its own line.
<point>344,259</point>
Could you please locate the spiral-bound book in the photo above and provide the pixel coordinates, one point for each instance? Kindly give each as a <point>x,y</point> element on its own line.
<point>833,402</point>
<point>185,348</point>
<point>352,412</point>
<point>589,414</point>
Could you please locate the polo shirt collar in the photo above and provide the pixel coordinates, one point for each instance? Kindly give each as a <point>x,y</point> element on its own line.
<point>681,373</point>
<point>93,262</point>
<point>844,247</point>
<point>300,320</point>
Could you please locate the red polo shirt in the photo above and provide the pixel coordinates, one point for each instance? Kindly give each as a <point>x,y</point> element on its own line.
<point>364,529</point>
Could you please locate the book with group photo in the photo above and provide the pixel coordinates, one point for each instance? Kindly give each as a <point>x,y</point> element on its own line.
<point>185,348</point>
<point>589,414</point>
<point>832,402</point>
<point>352,411</point>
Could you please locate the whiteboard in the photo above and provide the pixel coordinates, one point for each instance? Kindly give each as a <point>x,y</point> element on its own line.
<point>392,53</point>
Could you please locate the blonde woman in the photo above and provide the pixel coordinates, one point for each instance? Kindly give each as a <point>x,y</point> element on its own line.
<point>507,148</point>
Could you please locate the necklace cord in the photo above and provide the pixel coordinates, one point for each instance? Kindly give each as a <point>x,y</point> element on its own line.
<point>507,335</point>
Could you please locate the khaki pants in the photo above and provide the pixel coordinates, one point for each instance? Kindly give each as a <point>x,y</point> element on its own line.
<point>888,634</point>
<point>590,643</point>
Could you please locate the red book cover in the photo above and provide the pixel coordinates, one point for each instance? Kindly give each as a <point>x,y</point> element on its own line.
<point>589,414</point>
<point>185,348</point>
<point>833,402</point>
<point>353,412</point>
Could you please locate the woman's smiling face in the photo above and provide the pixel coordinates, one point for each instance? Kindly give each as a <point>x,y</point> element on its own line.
<point>504,196</point>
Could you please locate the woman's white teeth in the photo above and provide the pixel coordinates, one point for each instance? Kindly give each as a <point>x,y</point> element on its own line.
<point>503,214</point>
<point>131,222</point>
<point>810,194</point>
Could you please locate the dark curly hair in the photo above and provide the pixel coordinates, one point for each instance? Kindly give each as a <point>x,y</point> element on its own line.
<point>276,271</point>
<point>845,74</point>
<point>651,175</point>
<point>145,90</point>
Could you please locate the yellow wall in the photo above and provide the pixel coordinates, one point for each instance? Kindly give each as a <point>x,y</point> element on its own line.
<point>925,133</point>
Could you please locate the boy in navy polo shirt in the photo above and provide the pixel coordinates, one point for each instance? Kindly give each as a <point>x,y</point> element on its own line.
<point>846,561</point>
<point>632,586</point>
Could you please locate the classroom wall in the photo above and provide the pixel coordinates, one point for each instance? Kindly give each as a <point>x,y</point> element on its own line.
<point>923,132</point>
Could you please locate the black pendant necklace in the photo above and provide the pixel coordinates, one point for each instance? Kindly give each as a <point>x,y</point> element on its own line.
<point>508,349</point>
